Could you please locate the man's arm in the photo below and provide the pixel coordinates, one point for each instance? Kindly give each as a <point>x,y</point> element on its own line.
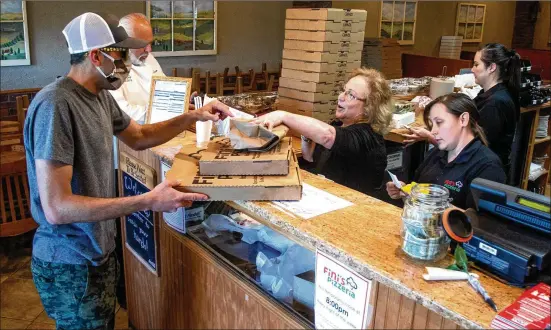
<point>61,206</point>
<point>140,137</point>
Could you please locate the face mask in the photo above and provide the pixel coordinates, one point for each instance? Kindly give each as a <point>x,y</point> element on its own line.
<point>119,74</point>
<point>139,61</point>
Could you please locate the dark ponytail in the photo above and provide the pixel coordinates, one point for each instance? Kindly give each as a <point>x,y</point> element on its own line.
<point>457,104</point>
<point>508,64</point>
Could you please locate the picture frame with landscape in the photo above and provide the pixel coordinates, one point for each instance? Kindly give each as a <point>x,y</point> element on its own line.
<point>14,38</point>
<point>183,28</point>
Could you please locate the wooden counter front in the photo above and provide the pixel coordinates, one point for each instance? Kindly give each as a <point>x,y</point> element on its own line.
<point>365,237</point>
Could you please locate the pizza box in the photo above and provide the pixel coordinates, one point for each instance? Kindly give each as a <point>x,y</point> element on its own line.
<point>323,46</point>
<point>308,96</point>
<point>311,56</point>
<point>309,66</point>
<point>309,86</point>
<point>314,76</point>
<point>327,14</point>
<point>221,159</point>
<point>317,25</point>
<point>185,169</point>
<point>324,36</point>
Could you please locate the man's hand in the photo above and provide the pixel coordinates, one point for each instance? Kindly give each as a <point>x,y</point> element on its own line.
<point>192,100</point>
<point>164,198</point>
<point>271,119</point>
<point>214,111</point>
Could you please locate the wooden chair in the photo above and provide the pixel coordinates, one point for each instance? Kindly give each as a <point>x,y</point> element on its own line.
<point>270,85</point>
<point>252,82</point>
<point>219,84</point>
<point>239,85</point>
<point>196,82</point>
<point>15,210</point>
<point>207,82</point>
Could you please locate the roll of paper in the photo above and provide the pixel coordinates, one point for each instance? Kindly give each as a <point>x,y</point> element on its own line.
<point>439,87</point>
<point>442,274</point>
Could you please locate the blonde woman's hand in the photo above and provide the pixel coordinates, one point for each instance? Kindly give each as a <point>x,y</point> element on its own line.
<point>418,134</point>
<point>271,119</point>
<point>393,191</point>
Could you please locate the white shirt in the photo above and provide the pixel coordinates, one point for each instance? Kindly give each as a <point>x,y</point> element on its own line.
<point>133,96</point>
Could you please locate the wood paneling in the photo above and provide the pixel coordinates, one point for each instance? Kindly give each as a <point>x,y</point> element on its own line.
<point>199,292</point>
<point>394,311</point>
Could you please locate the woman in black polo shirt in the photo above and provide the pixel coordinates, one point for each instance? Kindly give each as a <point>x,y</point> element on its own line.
<point>461,154</point>
<point>351,150</point>
<point>497,71</point>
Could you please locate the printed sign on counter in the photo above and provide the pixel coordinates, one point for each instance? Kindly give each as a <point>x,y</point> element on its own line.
<point>169,98</point>
<point>341,296</point>
<point>177,220</point>
<point>138,179</point>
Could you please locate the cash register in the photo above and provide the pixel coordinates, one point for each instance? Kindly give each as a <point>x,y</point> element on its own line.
<point>512,233</point>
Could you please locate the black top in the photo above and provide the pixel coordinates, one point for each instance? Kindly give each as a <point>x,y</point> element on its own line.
<point>474,161</point>
<point>498,116</point>
<point>356,160</point>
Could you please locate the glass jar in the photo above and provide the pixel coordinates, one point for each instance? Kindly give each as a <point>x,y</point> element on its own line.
<point>423,236</point>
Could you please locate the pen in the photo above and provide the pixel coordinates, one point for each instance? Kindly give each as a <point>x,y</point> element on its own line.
<point>478,288</point>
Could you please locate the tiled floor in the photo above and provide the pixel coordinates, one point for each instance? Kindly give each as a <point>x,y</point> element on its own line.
<point>20,306</point>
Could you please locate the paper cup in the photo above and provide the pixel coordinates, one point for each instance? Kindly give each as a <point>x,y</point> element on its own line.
<point>202,133</point>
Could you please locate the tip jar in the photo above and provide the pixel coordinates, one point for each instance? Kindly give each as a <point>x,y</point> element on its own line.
<point>423,235</point>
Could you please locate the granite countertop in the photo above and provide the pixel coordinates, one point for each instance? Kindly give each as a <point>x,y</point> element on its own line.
<point>366,238</point>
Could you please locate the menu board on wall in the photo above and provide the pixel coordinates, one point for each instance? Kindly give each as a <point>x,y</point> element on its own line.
<point>140,229</point>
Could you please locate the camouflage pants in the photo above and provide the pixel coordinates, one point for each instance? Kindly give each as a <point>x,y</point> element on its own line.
<point>78,296</point>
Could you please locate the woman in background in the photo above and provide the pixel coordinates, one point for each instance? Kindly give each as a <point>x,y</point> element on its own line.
<point>351,150</point>
<point>461,154</point>
<point>497,71</point>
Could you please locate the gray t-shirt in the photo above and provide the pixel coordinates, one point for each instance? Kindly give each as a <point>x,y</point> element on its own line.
<point>68,124</point>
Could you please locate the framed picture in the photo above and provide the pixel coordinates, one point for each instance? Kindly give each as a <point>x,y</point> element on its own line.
<point>169,98</point>
<point>183,28</point>
<point>470,21</point>
<point>14,36</point>
<point>398,21</point>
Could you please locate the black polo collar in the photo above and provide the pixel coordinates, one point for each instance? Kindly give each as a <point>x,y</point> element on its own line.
<point>464,156</point>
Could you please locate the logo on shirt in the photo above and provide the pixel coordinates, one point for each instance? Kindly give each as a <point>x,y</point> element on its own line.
<point>455,186</point>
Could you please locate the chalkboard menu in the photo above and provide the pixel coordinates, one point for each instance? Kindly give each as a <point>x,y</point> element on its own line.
<point>137,179</point>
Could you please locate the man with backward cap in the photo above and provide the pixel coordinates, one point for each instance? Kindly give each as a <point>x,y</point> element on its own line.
<point>68,143</point>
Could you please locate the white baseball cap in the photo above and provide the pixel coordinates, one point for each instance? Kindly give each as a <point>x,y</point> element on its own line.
<point>92,31</point>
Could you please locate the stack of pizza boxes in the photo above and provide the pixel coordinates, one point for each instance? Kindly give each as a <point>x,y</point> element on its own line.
<point>322,47</point>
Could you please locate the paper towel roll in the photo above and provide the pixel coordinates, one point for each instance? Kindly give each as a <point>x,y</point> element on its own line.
<point>439,87</point>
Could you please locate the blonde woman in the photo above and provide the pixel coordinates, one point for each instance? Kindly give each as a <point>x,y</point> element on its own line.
<point>351,150</point>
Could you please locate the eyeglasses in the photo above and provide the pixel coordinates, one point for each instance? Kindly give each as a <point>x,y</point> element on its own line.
<point>348,96</point>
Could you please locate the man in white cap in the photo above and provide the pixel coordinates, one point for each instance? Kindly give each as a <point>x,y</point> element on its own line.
<point>68,143</point>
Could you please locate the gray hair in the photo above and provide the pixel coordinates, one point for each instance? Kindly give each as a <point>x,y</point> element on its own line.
<point>128,21</point>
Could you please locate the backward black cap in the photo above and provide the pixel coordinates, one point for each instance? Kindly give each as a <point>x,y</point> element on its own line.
<point>122,39</point>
